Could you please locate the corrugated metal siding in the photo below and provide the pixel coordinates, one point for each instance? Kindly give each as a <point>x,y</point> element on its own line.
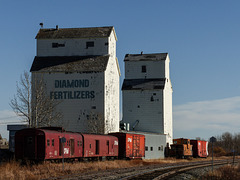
<point>145,106</point>
<point>155,145</point>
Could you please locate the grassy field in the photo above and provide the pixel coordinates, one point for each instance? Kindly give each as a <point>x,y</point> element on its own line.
<point>13,170</point>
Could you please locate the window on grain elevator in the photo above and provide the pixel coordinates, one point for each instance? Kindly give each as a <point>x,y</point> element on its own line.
<point>144,69</point>
<point>89,44</point>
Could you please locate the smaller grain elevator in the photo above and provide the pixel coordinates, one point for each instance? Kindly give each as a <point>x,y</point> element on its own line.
<point>147,94</point>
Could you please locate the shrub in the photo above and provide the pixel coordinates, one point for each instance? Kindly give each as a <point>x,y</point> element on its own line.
<point>219,151</point>
<point>224,173</point>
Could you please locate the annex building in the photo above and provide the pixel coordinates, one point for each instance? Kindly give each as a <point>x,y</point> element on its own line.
<point>80,70</point>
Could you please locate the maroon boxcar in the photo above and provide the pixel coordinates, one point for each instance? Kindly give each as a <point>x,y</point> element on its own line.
<point>42,144</point>
<point>200,148</point>
<point>51,143</point>
<point>131,146</point>
<point>100,145</point>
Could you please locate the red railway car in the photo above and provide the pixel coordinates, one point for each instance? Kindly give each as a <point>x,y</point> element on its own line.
<point>100,146</point>
<point>131,146</point>
<point>200,148</point>
<point>48,144</point>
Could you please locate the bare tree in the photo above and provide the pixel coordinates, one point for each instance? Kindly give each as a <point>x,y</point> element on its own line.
<point>95,124</point>
<point>21,102</point>
<point>33,104</point>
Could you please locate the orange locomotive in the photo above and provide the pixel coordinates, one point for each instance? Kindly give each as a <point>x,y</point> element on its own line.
<point>181,148</point>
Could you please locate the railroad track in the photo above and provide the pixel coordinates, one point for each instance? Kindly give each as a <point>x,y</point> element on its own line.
<point>167,172</point>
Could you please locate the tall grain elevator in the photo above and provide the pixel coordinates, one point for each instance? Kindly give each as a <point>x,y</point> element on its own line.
<point>80,70</point>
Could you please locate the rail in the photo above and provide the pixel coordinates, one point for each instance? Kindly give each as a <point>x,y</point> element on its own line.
<point>167,172</point>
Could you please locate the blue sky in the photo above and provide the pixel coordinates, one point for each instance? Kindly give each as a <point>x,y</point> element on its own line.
<point>201,37</point>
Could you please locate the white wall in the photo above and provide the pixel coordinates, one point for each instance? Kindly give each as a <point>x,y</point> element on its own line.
<point>111,89</point>
<point>155,69</point>
<point>137,105</point>
<point>75,111</point>
<point>168,126</point>
<point>112,45</point>
<point>73,47</point>
<point>111,102</point>
<point>156,146</point>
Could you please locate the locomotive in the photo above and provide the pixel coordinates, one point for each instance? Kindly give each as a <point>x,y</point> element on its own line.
<point>52,143</point>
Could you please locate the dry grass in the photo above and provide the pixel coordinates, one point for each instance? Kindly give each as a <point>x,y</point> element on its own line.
<point>224,173</point>
<point>13,170</point>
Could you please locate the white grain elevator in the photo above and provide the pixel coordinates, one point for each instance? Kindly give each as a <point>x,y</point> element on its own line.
<point>80,69</point>
<point>147,94</point>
